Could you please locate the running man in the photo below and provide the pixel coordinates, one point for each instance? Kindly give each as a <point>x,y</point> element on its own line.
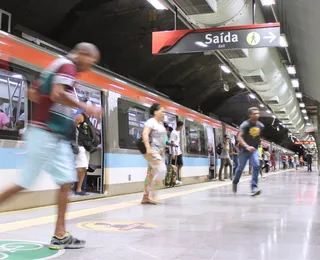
<point>48,136</point>
<point>249,139</point>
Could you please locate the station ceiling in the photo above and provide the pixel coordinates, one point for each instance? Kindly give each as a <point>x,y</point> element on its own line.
<point>122,30</point>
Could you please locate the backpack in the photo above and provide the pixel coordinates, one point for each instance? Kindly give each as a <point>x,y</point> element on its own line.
<point>94,139</point>
<point>219,149</point>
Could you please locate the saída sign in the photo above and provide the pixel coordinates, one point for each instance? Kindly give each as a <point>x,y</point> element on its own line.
<point>201,40</point>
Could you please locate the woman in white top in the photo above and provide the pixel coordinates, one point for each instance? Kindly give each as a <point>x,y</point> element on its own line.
<point>153,136</point>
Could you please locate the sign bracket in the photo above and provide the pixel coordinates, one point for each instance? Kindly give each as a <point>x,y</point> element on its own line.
<point>175,17</point>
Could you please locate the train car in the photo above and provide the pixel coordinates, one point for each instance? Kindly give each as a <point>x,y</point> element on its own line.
<point>116,167</point>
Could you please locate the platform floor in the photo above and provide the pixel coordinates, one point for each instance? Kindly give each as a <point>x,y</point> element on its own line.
<point>204,221</point>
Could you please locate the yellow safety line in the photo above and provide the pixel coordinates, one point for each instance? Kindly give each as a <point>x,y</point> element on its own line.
<point>92,211</point>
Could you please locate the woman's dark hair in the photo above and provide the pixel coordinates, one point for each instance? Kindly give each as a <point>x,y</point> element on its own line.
<point>170,129</point>
<point>155,107</point>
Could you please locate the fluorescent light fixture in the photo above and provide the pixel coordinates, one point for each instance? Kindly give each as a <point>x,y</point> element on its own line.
<point>225,69</point>
<point>304,111</point>
<point>252,96</point>
<point>274,116</point>
<point>283,41</point>
<point>299,95</point>
<point>308,123</point>
<point>241,85</point>
<point>306,117</point>
<point>302,105</point>
<point>280,124</point>
<point>120,80</point>
<point>291,69</point>
<point>261,105</point>
<point>153,100</point>
<point>267,2</point>
<point>201,44</point>
<point>295,83</point>
<point>158,4</point>
<point>268,111</point>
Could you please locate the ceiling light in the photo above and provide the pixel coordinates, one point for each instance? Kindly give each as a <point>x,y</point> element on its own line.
<point>304,111</point>
<point>306,117</point>
<point>261,105</point>
<point>252,96</point>
<point>267,2</point>
<point>274,116</point>
<point>225,69</point>
<point>295,83</point>
<point>302,105</point>
<point>201,44</point>
<point>268,111</point>
<point>291,69</point>
<point>157,4</point>
<point>283,41</point>
<point>241,85</point>
<point>308,123</point>
<point>299,95</point>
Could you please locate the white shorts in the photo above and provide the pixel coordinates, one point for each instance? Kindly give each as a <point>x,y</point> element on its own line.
<point>82,158</point>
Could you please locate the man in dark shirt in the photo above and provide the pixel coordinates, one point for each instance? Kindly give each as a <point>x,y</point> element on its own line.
<point>309,160</point>
<point>249,140</point>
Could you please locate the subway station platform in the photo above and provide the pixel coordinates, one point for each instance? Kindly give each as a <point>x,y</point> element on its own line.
<point>204,221</point>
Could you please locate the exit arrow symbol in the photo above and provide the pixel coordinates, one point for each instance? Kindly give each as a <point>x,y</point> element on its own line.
<point>271,38</point>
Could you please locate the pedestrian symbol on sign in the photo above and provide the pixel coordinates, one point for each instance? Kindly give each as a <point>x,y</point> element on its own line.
<point>253,38</point>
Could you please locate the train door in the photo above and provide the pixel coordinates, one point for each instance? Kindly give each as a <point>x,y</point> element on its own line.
<point>93,181</point>
<point>211,149</point>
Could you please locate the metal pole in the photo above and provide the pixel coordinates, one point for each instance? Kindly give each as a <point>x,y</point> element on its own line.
<point>175,17</point>
<point>253,11</point>
<point>10,102</point>
<point>19,100</point>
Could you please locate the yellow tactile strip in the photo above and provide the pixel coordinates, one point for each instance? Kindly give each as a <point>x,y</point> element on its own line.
<point>102,209</point>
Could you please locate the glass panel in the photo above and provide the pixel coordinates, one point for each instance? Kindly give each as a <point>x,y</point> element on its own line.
<point>12,105</point>
<point>195,138</point>
<point>131,119</point>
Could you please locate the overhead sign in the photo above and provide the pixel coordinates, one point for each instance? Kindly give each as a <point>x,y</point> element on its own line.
<point>304,142</point>
<point>222,38</point>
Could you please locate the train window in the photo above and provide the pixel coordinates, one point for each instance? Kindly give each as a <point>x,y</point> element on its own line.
<point>195,138</point>
<point>12,105</point>
<point>131,119</point>
<point>171,120</point>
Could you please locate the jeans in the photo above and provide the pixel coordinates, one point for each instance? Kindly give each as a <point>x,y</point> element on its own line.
<point>236,163</point>
<point>225,162</point>
<point>244,156</point>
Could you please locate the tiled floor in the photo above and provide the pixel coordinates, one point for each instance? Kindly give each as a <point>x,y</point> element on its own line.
<point>196,222</point>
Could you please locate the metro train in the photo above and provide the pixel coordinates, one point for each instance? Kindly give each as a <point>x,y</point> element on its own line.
<point>116,167</point>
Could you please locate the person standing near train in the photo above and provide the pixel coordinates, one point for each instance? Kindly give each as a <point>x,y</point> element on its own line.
<point>249,139</point>
<point>155,148</point>
<point>48,135</point>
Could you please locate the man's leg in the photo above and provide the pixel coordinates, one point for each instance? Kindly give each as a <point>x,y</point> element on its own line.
<point>230,168</point>
<point>81,174</point>
<point>221,168</point>
<point>64,173</point>
<point>11,191</point>
<point>254,158</point>
<point>243,158</point>
<point>62,208</point>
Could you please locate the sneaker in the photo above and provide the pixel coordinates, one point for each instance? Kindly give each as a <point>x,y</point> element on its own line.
<point>234,187</point>
<point>263,178</point>
<point>255,192</point>
<point>178,182</point>
<point>67,242</point>
<point>81,193</point>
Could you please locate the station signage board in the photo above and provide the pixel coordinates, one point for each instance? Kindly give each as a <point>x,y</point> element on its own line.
<point>211,39</point>
<point>304,142</point>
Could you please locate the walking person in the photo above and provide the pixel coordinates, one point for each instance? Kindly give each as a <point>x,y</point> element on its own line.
<point>309,161</point>
<point>266,158</point>
<point>154,153</point>
<point>49,133</point>
<point>296,160</point>
<point>249,139</point>
<point>273,160</point>
<point>225,157</point>
<point>176,150</point>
